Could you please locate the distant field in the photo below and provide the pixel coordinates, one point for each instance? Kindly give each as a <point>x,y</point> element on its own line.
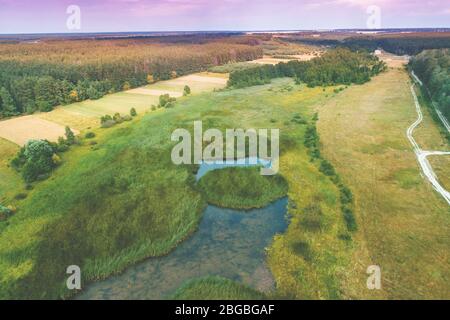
<point>404,222</point>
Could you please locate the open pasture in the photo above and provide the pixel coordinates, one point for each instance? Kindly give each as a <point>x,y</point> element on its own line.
<point>404,223</point>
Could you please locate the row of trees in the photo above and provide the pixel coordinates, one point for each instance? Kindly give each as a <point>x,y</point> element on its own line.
<point>338,66</point>
<point>433,68</point>
<point>406,43</point>
<point>44,75</point>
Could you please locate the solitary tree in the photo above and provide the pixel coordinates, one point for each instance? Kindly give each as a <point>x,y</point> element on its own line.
<point>70,136</point>
<point>187,90</point>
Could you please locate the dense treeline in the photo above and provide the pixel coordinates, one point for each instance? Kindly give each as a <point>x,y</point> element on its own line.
<point>401,44</point>
<point>338,66</point>
<point>433,69</point>
<point>40,76</point>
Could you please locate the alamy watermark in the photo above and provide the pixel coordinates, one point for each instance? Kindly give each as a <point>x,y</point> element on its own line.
<point>73,22</point>
<point>74,280</point>
<point>374,279</point>
<point>236,146</point>
<point>374,19</point>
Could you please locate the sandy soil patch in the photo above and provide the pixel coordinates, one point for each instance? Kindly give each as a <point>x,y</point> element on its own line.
<point>20,130</point>
<point>153,92</point>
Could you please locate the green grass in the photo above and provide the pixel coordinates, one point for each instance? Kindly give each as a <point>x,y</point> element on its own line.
<point>10,180</point>
<point>403,223</point>
<point>242,188</point>
<point>216,288</point>
<point>123,200</point>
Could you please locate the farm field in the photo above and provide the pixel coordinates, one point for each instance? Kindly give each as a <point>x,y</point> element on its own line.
<point>20,130</point>
<point>86,114</point>
<point>404,222</point>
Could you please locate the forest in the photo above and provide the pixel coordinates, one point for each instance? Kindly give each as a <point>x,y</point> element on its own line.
<point>40,76</point>
<point>400,44</point>
<point>433,68</point>
<point>338,66</point>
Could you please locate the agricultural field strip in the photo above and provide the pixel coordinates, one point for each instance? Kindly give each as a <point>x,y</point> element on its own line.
<point>422,155</point>
<point>21,129</point>
<point>438,112</point>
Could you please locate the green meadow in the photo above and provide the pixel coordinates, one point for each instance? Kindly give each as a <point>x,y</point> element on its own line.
<point>122,200</point>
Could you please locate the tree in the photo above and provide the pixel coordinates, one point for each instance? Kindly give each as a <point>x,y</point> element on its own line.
<point>46,94</point>
<point>70,136</point>
<point>35,159</point>
<point>150,79</point>
<point>133,112</point>
<point>165,101</point>
<point>8,106</point>
<point>187,90</point>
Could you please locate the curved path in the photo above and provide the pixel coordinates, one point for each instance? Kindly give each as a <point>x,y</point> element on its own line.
<point>421,154</point>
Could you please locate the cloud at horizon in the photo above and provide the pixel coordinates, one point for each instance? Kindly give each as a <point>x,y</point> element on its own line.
<point>28,16</point>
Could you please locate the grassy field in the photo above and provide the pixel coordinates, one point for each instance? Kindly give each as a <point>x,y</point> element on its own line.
<point>404,223</point>
<point>242,188</point>
<point>10,181</point>
<point>214,288</point>
<point>123,200</point>
<point>128,180</point>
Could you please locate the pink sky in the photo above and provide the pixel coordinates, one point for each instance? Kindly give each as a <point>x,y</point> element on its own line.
<point>27,16</point>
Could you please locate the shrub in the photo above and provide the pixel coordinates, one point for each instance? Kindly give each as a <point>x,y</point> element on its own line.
<point>127,118</point>
<point>346,195</point>
<point>105,119</point>
<point>345,236</point>
<point>165,101</point>
<point>108,124</point>
<point>327,168</point>
<point>302,248</point>
<point>62,146</point>
<point>70,136</point>
<point>56,159</point>
<point>34,159</point>
<point>133,112</point>
<point>117,118</point>
<point>186,91</point>
<point>350,220</point>
<point>4,212</point>
<point>20,196</point>
<point>89,135</point>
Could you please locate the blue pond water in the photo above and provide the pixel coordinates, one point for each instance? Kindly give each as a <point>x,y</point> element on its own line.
<point>247,162</point>
<point>229,243</point>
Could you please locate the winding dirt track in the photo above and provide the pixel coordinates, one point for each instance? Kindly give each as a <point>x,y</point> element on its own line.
<point>421,154</point>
